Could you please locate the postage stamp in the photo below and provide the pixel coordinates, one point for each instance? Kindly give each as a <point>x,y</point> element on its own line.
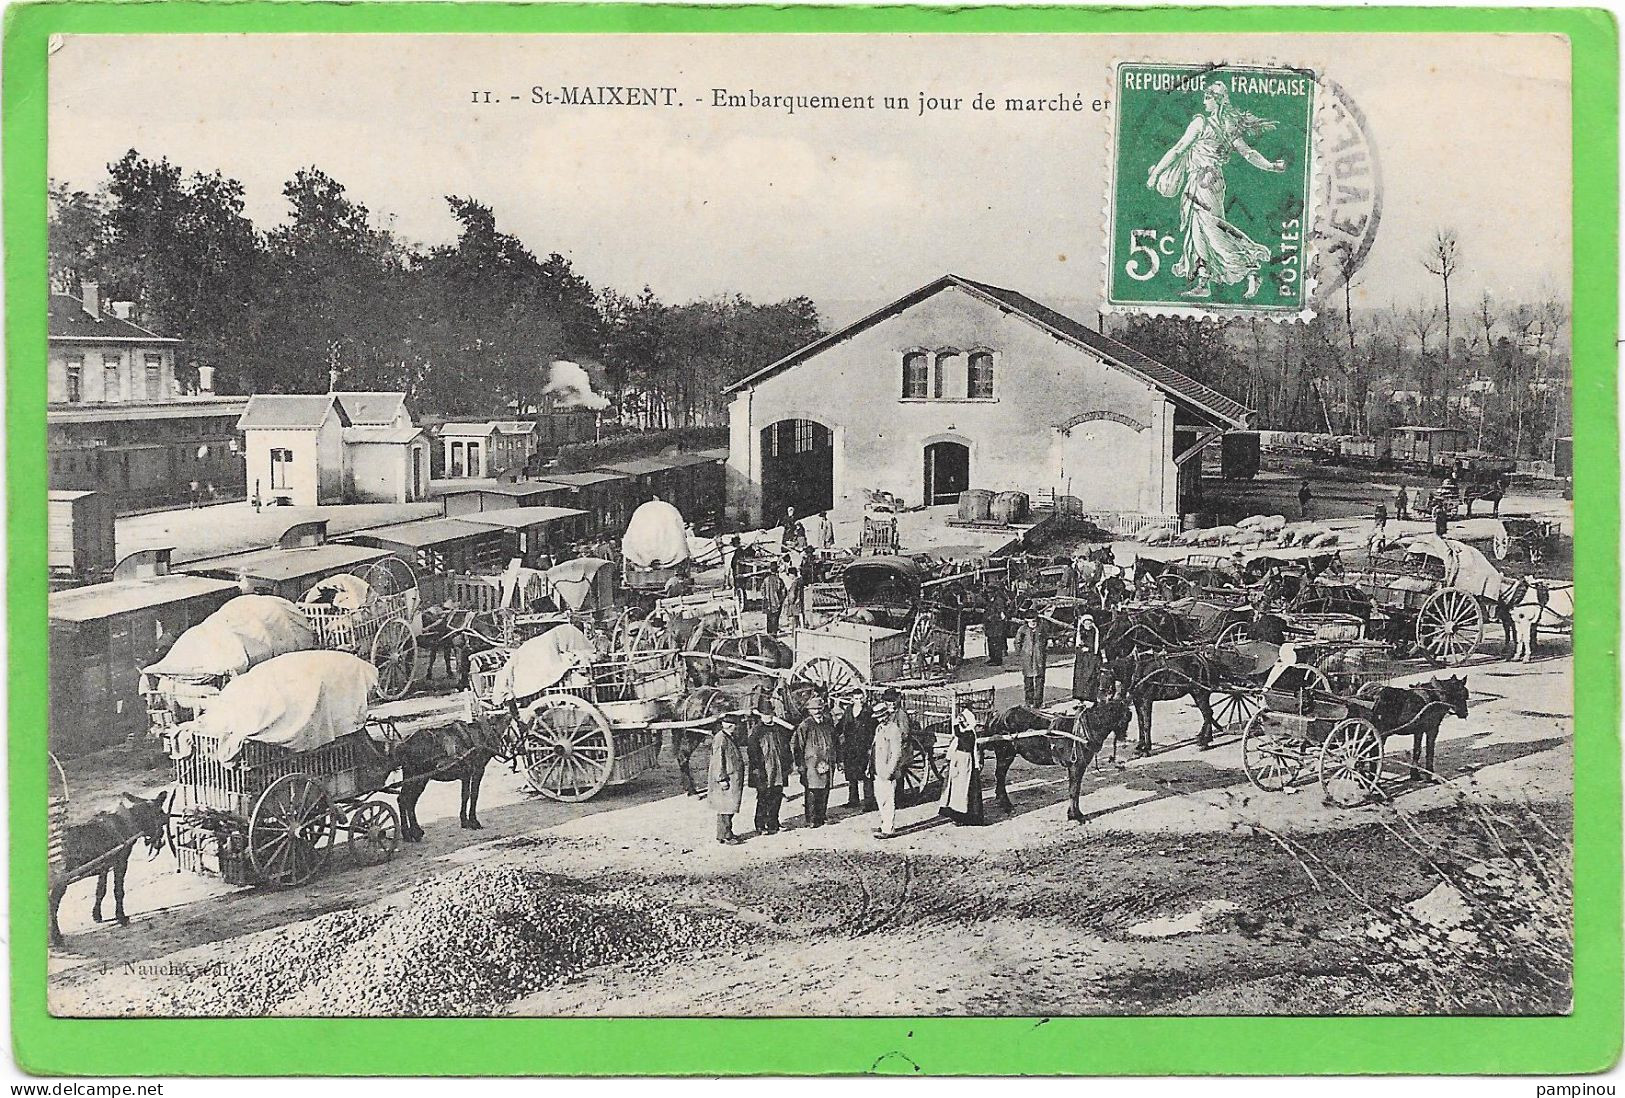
<point>1212,190</point>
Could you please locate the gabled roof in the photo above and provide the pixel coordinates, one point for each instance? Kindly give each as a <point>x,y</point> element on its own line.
<point>68,320</point>
<point>466,430</point>
<point>290,410</point>
<point>372,409</point>
<point>1181,388</point>
<point>422,533</point>
<point>516,426</point>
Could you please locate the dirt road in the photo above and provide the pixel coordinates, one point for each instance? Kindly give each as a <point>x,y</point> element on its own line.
<point>1187,890</point>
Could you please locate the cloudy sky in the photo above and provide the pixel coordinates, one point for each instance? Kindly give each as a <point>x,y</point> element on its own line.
<point>849,208</point>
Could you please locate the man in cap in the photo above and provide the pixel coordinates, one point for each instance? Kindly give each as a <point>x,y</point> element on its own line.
<point>1032,652</point>
<point>727,777</point>
<point>813,748</point>
<point>857,728</point>
<point>891,739</point>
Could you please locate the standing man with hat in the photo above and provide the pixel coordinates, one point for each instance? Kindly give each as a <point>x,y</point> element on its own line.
<point>857,729</point>
<point>769,759</point>
<point>813,748</point>
<point>773,595</point>
<point>727,777</point>
<point>1032,652</point>
<point>891,739</point>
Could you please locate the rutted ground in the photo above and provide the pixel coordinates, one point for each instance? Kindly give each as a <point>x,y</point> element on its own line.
<point>1187,891</point>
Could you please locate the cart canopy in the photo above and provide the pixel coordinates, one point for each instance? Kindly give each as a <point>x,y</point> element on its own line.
<point>541,663</point>
<point>572,581</point>
<point>345,591</point>
<point>246,631</point>
<point>300,701</point>
<point>1465,568</point>
<point>655,536</point>
<point>893,581</point>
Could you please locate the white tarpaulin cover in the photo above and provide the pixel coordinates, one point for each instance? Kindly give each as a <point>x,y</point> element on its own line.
<point>299,701</point>
<point>655,536</point>
<point>246,631</point>
<point>541,663</point>
<point>344,591</point>
<point>1465,568</point>
<point>572,581</point>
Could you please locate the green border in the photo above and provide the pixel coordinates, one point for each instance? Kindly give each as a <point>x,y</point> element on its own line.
<point>1587,1040</point>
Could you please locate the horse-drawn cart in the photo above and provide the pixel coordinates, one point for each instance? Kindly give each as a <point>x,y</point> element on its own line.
<point>1440,590</point>
<point>889,629</point>
<point>277,769</point>
<point>372,613</point>
<point>584,719</point>
<point>1313,726</point>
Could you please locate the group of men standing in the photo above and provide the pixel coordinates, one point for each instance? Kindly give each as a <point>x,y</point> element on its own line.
<point>760,753</point>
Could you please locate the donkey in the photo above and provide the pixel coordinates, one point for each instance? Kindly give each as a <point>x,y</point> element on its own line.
<point>1074,744</point>
<point>455,752</point>
<point>101,846</point>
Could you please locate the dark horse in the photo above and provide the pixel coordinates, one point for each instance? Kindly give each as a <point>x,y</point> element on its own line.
<point>1490,491</point>
<point>1168,675</point>
<point>776,700</point>
<point>1419,710</point>
<point>1073,742</point>
<point>455,752</point>
<point>101,846</point>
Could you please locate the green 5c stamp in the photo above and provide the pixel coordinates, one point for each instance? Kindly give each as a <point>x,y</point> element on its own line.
<point>1212,189</point>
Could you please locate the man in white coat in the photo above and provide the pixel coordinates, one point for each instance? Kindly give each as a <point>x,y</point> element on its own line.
<point>890,733</point>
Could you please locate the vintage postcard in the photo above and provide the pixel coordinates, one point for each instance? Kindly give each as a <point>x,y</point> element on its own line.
<point>819,525</point>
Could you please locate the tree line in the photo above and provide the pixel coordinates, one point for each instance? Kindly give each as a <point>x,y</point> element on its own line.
<point>466,328</point>
<point>1500,369</point>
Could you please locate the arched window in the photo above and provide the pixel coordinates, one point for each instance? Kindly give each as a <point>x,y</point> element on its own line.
<point>979,376</point>
<point>946,361</point>
<point>916,376</point>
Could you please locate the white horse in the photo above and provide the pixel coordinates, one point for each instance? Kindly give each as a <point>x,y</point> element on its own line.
<point>1542,605</point>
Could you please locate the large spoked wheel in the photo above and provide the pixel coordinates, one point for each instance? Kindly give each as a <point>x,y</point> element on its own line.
<point>837,680</point>
<point>375,833</point>
<point>291,831</point>
<point>1236,705</point>
<point>1351,762</point>
<point>388,576</point>
<point>922,769</point>
<point>569,748</point>
<point>395,655</point>
<point>1272,758</point>
<point>1450,626</point>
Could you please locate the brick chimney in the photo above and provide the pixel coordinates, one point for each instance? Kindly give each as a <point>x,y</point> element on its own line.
<point>205,379</point>
<point>124,309</point>
<point>90,294</point>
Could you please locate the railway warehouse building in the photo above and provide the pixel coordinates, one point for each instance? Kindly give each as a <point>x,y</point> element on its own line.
<point>962,385</point>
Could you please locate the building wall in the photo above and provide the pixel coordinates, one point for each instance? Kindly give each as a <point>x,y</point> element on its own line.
<point>377,472</point>
<point>1022,438</point>
<point>126,383</point>
<point>303,482</point>
<point>331,454</point>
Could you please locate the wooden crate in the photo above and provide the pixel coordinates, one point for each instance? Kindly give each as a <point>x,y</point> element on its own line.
<point>877,652</point>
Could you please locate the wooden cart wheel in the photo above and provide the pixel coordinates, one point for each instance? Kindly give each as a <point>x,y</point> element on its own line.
<point>375,833</point>
<point>1236,706</point>
<point>388,576</point>
<point>569,748</point>
<point>395,655</point>
<point>833,677</point>
<point>1231,637</point>
<point>291,831</point>
<point>1449,626</point>
<point>1272,758</point>
<point>922,768</point>
<point>1351,762</point>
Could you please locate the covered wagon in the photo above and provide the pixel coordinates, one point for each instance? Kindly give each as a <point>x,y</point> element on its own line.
<point>277,769</point>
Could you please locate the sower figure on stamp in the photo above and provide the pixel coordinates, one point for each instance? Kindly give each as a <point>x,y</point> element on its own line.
<point>1214,250</point>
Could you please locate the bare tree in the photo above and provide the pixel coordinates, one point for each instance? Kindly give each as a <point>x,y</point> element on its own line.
<point>1441,261</point>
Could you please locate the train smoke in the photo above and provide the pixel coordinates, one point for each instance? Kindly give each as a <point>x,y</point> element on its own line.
<point>571,387</point>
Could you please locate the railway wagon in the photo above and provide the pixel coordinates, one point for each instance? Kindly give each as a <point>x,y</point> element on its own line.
<point>101,636</point>
<point>79,536</point>
<point>1425,447</point>
<point>302,558</point>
